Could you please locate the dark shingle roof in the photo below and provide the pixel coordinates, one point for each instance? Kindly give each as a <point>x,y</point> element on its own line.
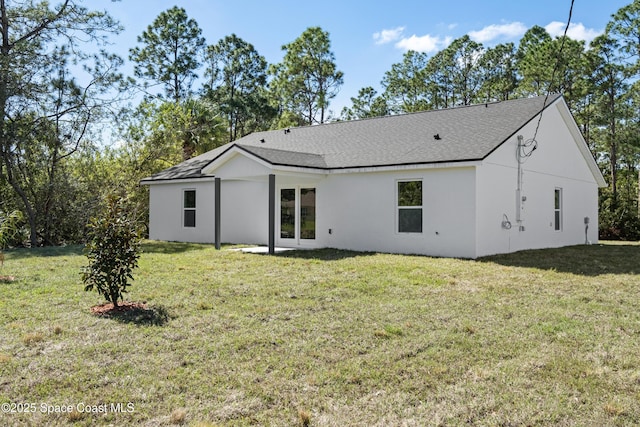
<point>465,134</point>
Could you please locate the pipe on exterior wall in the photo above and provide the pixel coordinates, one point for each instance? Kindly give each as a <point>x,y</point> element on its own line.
<point>586,231</point>
<point>519,184</point>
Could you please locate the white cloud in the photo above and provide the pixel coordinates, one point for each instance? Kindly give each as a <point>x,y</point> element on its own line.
<point>512,30</point>
<point>576,31</point>
<point>388,36</point>
<point>426,43</point>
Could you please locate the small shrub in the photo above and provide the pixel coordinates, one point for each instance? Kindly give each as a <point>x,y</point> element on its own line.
<point>178,416</point>
<point>204,306</point>
<point>113,250</point>
<point>32,338</point>
<point>74,416</point>
<point>393,330</point>
<point>613,409</point>
<point>389,331</point>
<point>305,418</point>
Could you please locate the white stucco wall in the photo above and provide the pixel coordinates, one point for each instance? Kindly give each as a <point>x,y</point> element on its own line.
<point>556,163</point>
<point>166,212</point>
<point>244,216</point>
<point>361,211</point>
<point>359,208</point>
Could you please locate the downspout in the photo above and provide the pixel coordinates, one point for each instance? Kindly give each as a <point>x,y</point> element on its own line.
<point>272,214</point>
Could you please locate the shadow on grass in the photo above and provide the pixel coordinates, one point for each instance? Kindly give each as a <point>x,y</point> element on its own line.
<point>149,246</point>
<point>585,260</point>
<point>153,316</point>
<point>47,251</point>
<point>136,313</point>
<point>161,247</point>
<point>327,254</point>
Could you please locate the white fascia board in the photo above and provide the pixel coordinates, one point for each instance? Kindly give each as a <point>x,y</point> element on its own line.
<point>370,169</point>
<point>409,167</point>
<point>176,181</point>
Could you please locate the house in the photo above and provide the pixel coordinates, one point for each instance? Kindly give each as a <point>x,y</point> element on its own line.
<point>461,182</point>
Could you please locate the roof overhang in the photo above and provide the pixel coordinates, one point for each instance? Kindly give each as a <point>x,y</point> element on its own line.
<point>148,181</point>
<point>566,115</point>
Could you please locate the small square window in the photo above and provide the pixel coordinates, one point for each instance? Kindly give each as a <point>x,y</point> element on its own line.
<point>189,218</point>
<point>410,193</point>
<point>410,220</point>
<point>189,199</point>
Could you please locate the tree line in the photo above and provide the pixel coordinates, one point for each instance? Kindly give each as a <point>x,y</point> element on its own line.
<point>62,93</point>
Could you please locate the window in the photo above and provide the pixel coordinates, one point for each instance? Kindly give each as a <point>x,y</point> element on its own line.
<point>557,209</point>
<point>189,208</point>
<point>410,206</point>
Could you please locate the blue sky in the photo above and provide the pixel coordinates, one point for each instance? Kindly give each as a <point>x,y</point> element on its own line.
<point>367,36</point>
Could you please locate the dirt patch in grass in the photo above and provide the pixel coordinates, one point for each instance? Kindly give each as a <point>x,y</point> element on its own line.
<point>108,309</point>
<point>7,279</point>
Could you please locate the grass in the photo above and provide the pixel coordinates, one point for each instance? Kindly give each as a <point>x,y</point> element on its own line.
<point>327,338</point>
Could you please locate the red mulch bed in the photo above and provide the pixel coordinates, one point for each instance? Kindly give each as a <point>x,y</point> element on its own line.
<point>108,309</point>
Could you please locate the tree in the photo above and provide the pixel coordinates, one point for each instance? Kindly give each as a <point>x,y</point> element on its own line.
<point>405,86</point>
<point>236,83</point>
<point>171,132</point>
<point>307,79</point>
<point>170,54</point>
<point>8,229</point>
<point>367,104</point>
<point>533,59</point>
<point>498,70</point>
<point>113,250</point>
<point>46,114</point>
<point>611,87</point>
<point>462,57</point>
<point>439,81</point>
<point>625,27</point>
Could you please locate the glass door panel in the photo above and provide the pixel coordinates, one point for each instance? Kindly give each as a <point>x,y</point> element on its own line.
<point>308,213</point>
<point>288,213</point>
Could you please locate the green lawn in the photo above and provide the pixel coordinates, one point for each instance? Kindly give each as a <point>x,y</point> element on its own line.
<point>326,338</point>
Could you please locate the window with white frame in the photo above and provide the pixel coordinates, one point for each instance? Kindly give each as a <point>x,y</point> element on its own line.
<point>557,209</point>
<point>409,206</point>
<point>189,208</point>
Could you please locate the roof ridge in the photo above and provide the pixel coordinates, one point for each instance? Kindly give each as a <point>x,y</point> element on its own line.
<point>550,98</point>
